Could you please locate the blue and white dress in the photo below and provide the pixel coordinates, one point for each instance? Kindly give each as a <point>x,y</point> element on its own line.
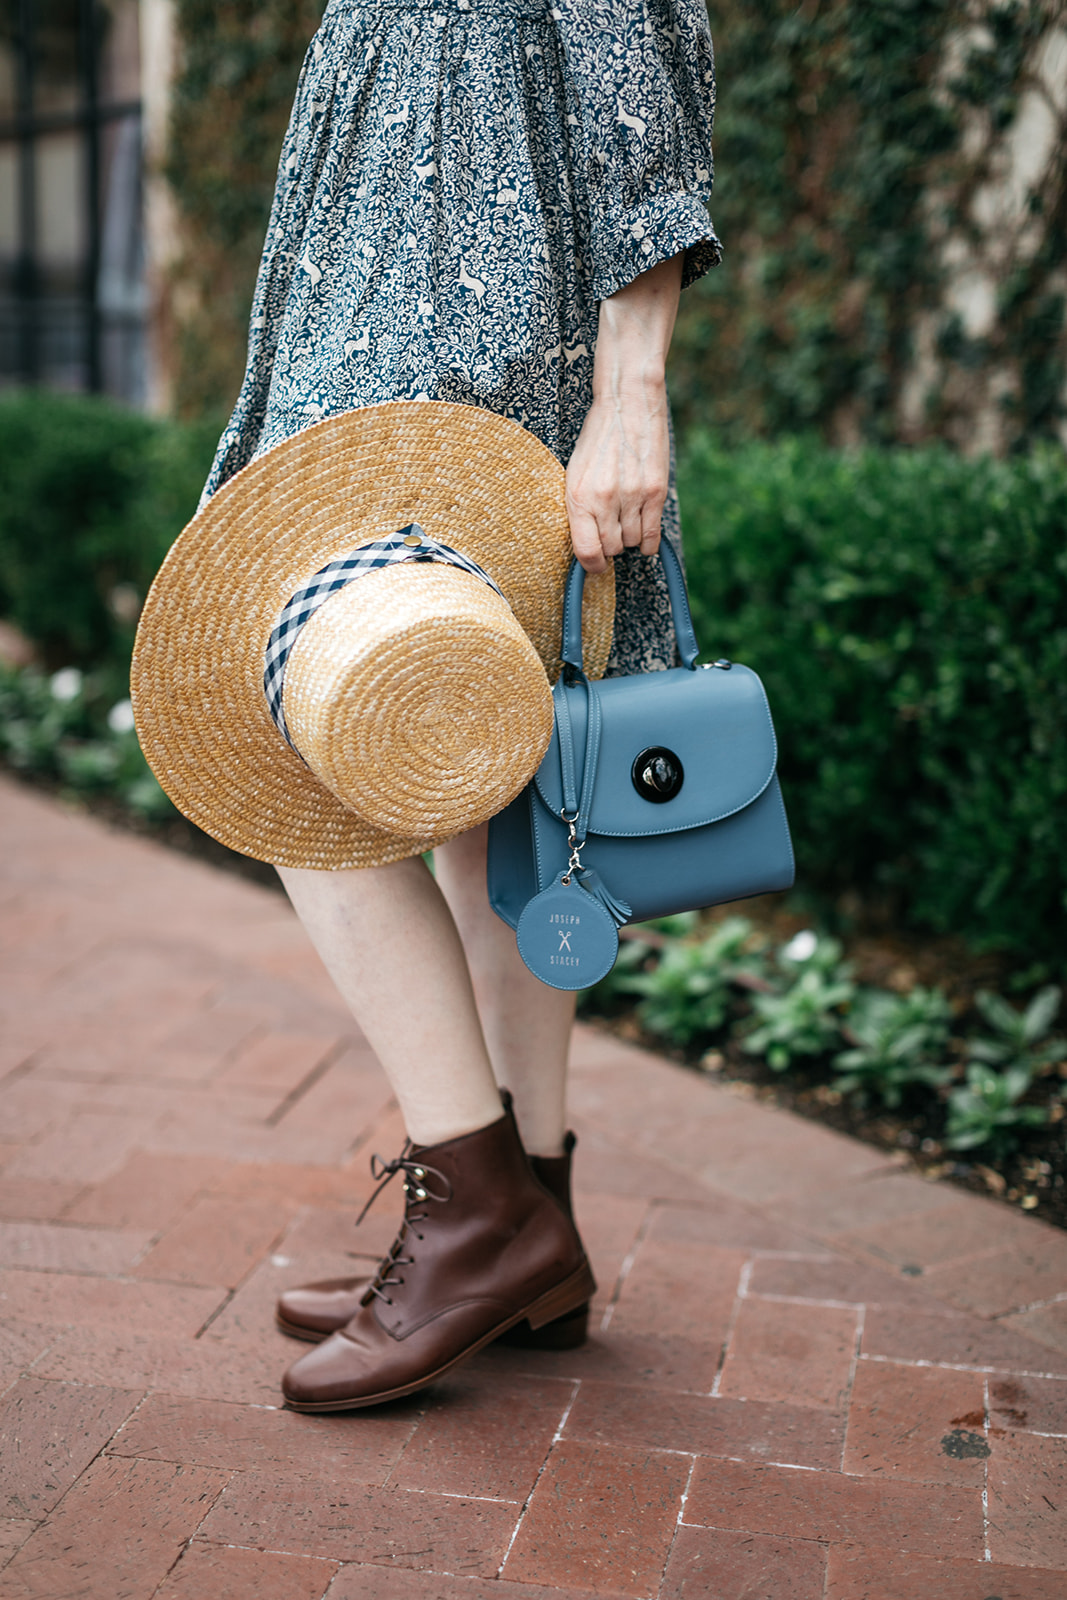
<point>461,183</point>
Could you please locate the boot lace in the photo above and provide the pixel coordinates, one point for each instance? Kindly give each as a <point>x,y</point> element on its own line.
<point>423,1185</point>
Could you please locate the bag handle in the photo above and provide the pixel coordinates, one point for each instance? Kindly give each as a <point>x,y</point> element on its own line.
<point>576,808</point>
<point>688,648</point>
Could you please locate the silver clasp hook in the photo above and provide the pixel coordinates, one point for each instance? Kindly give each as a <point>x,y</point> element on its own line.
<point>574,845</point>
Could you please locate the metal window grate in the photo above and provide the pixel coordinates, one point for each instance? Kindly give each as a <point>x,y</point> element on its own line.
<point>72,295</point>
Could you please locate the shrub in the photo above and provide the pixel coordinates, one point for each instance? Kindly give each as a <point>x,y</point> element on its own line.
<point>66,728</point>
<point>1019,1038</point>
<point>91,497</point>
<point>907,611</point>
<point>804,1021</point>
<point>897,1041</point>
<point>987,1110</point>
<point>688,991</point>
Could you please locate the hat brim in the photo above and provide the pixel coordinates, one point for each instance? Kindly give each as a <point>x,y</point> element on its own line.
<point>470,478</point>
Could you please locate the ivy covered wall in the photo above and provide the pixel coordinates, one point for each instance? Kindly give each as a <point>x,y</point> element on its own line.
<point>891,190</point>
<point>237,67</point>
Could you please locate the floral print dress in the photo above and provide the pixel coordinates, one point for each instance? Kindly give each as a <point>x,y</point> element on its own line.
<point>461,183</point>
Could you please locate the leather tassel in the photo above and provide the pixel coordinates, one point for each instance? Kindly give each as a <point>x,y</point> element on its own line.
<point>592,884</point>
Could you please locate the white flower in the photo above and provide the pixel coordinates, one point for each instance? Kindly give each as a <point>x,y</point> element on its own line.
<point>802,946</point>
<point>120,717</point>
<point>67,684</point>
<point>124,603</point>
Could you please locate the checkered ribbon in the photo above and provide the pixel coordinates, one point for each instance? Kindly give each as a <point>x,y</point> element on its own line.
<point>337,575</point>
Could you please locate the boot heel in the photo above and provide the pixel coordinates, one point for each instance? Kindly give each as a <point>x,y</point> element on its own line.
<point>565,1333</point>
<point>566,1297</point>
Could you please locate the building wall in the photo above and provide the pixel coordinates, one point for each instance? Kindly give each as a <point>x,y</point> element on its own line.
<point>72,306</point>
<point>891,193</point>
<point>158,43</point>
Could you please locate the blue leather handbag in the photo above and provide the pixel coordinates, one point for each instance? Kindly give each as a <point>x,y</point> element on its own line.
<point>658,793</point>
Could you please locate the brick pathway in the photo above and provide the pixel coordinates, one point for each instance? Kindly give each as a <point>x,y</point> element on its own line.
<point>813,1375</point>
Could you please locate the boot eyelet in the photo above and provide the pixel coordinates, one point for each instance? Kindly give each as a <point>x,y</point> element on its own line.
<point>420,1172</point>
<point>420,1194</point>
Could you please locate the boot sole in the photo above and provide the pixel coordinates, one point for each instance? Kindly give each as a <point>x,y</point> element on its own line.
<point>562,1333</point>
<point>566,1298</point>
<point>568,1332</point>
<point>295,1331</point>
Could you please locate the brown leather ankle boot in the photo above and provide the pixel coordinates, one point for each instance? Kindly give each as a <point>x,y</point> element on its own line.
<point>562,1333</point>
<point>313,1311</point>
<point>482,1247</point>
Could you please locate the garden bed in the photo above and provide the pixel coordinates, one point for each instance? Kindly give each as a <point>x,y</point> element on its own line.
<point>1025,1167</point>
<point>1033,1177</point>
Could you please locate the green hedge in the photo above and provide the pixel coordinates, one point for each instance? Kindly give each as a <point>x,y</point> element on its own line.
<point>907,611</point>
<point>91,498</point>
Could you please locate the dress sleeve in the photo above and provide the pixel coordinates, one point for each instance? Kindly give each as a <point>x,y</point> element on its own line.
<point>642,80</point>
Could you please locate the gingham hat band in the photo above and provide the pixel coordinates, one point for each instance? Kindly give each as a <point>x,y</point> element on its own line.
<point>407,544</point>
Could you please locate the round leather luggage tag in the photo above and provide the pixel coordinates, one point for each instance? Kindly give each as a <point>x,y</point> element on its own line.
<point>567,938</point>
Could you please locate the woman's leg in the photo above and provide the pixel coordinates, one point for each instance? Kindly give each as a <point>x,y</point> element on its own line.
<point>526,1025</point>
<point>484,1246</point>
<point>388,940</point>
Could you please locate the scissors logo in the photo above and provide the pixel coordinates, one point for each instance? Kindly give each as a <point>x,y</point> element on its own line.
<point>564,941</point>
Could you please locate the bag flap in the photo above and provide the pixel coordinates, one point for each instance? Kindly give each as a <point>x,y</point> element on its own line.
<point>716,723</point>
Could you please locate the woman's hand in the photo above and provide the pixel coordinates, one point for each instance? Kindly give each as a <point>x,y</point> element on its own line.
<point>618,475</point>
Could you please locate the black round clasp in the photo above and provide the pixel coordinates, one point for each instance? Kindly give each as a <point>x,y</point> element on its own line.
<point>657,774</point>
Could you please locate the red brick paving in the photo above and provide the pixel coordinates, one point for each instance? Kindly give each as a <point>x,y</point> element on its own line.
<point>1004,1279</point>
<point>117,1531</point>
<point>351,1522</point>
<point>601,1514</point>
<point>854,1575</point>
<point>708,1562</point>
<point>646,1417</point>
<point>360,1582</point>
<point>836,1508</point>
<point>35,1200</point>
<point>1030,1405</point>
<point>458,1446</point>
<point>788,1351</point>
<point>952,1341</point>
<point>1048,1324</point>
<point>205,1368</point>
<point>61,1299</point>
<point>59,1428</point>
<point>54,1248</point>
<point>148,1191</point>
<point>14,1531</point>
<point>899,1419</point>
<point>218,1240</point>
<point>768,1408</point>
<point>213,1433</point>
<point>944,1236</point>
<point>225,1572</point>
<point>1027,1525</point>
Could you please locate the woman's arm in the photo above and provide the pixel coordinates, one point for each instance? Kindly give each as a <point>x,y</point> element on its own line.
<point>618,474</point>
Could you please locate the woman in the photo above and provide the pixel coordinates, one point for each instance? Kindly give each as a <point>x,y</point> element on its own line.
<point>494,202</point>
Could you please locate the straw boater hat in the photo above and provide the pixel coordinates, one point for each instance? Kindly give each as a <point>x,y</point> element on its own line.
<point>345,658</point>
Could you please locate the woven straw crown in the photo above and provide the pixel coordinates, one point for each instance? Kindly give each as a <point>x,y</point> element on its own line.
<point>417,698</point>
